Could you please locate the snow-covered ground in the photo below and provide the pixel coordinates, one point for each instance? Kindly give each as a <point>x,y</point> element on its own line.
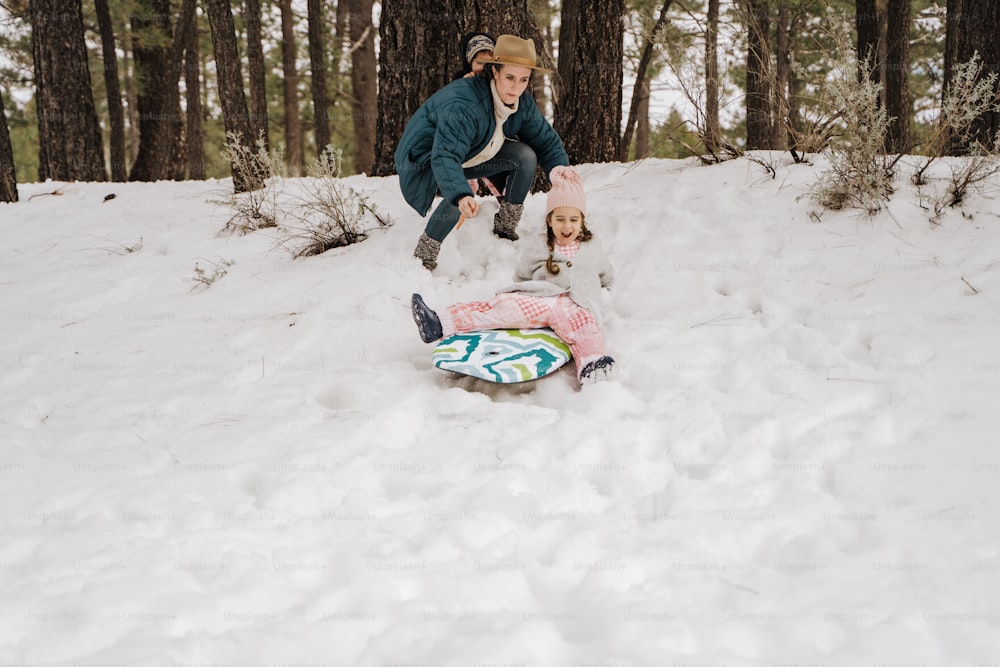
<point>797,464</point>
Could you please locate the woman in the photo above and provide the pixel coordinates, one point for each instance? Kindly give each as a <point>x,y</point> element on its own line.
<point>464,132</point>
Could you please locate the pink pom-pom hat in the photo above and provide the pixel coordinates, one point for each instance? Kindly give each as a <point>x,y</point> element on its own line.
<point>567,190</point>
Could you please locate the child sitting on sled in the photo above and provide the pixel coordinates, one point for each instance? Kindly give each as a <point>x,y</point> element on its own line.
<point>559,280</point>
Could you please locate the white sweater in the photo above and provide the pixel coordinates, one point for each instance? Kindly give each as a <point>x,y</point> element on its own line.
<point>581,277</point>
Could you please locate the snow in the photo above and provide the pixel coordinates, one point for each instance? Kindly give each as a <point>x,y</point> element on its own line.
<point>796,464</point>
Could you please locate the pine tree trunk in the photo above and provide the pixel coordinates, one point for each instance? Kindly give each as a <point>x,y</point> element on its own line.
<point>294,157</point>
<point>194,112</point>
<point>953,19</point>
<point>8,174</point>
<point>897,76</point>
<point>758,99</point>
<point>972,26</point>
<point>230,78</point>
<point>157,61</point>
<point>712,132</point>
<point>116,114</point>
<point>364,83</point>
<point>257,74</point>
<point>317,67</point>
<point>782,76</point>
<point>866,21</point>
<point>588,116</point>
<point>642,130</point>
<point>69,136</point>
<point>416,57</point>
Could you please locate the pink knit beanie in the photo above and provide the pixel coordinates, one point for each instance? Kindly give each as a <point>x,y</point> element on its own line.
<point>567,190</point>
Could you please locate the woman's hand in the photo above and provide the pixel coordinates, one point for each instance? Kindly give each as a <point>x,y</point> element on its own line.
<point>468,206</point>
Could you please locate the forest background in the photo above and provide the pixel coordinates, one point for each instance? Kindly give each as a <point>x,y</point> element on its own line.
<point>148,90</point>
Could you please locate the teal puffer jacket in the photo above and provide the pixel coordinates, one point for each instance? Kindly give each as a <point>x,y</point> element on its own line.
<point>454,125</point>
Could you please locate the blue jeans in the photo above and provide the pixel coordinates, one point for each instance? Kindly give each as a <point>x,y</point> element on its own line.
<point>515,161</point>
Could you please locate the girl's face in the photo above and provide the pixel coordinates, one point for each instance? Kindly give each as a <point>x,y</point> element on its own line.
<point>566,223</point>
<point>512,80</point>
<point>479,61</point>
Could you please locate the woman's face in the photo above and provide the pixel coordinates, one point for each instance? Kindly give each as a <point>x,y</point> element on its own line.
<point>512,80</point>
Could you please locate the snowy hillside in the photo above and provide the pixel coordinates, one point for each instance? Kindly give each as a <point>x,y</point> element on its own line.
<point>796,465</point>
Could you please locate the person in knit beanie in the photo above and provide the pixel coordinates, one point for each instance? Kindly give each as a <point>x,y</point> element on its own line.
<point>477,50</point>
<point>558,283</point>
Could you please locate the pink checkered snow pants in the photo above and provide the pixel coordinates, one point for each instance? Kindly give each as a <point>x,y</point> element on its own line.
<point>574,324</point>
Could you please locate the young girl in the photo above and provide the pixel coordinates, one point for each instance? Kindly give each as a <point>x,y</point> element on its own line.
<point>559,280</point>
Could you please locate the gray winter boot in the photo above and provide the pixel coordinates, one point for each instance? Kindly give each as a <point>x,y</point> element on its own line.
<point>506,219</point>
<point>427,251</point>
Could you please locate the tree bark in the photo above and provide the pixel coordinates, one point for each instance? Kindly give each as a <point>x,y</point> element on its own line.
<point>588,116</point>
<point>897,76</point>
<point>866,20</point>
<point>8,172</point>
<point>235,117</point>
<point>116,114</point>
<point>257,74</point>
<point>364,82</point>
<point>953,18</point>
<point>417,54</point>
<point>158,55</point>
<point>782,78</point>
<point>758,99</point>
<point>294,157</point>
<point>972,26</point>
<point>419,51</point>
<point>69,136</point>
<point>645,59</point>
<point>642,129</point>
<point>192,87</point>
<point>317,68</point>
<point>712,132</point>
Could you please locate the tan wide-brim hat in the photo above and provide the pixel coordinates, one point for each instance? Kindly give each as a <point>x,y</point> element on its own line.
<point>511,50</point>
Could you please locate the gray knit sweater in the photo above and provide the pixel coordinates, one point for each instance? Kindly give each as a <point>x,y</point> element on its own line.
<point>581,277</point>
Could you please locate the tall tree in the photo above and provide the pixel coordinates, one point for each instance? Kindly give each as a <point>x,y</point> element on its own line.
<point>317,67</point>
<point>712,132</point>
<point>8,173</point>
<point>758,96</point>
<point>642,128</point>
<point>364,82</point>
<point>294,154</point>
<point>642,76</point>
<point>235,117</point>
<point>158,52</point>
<point>116,115</point>
<point>256,72</point>
<point>972,27</point>
<point>782,77</point>
<point>414,61</point>
<point>866,20</point>
<point>588,115</point>
<point>897,75</point>
<point>193,107</point>
<point>68,133</point>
